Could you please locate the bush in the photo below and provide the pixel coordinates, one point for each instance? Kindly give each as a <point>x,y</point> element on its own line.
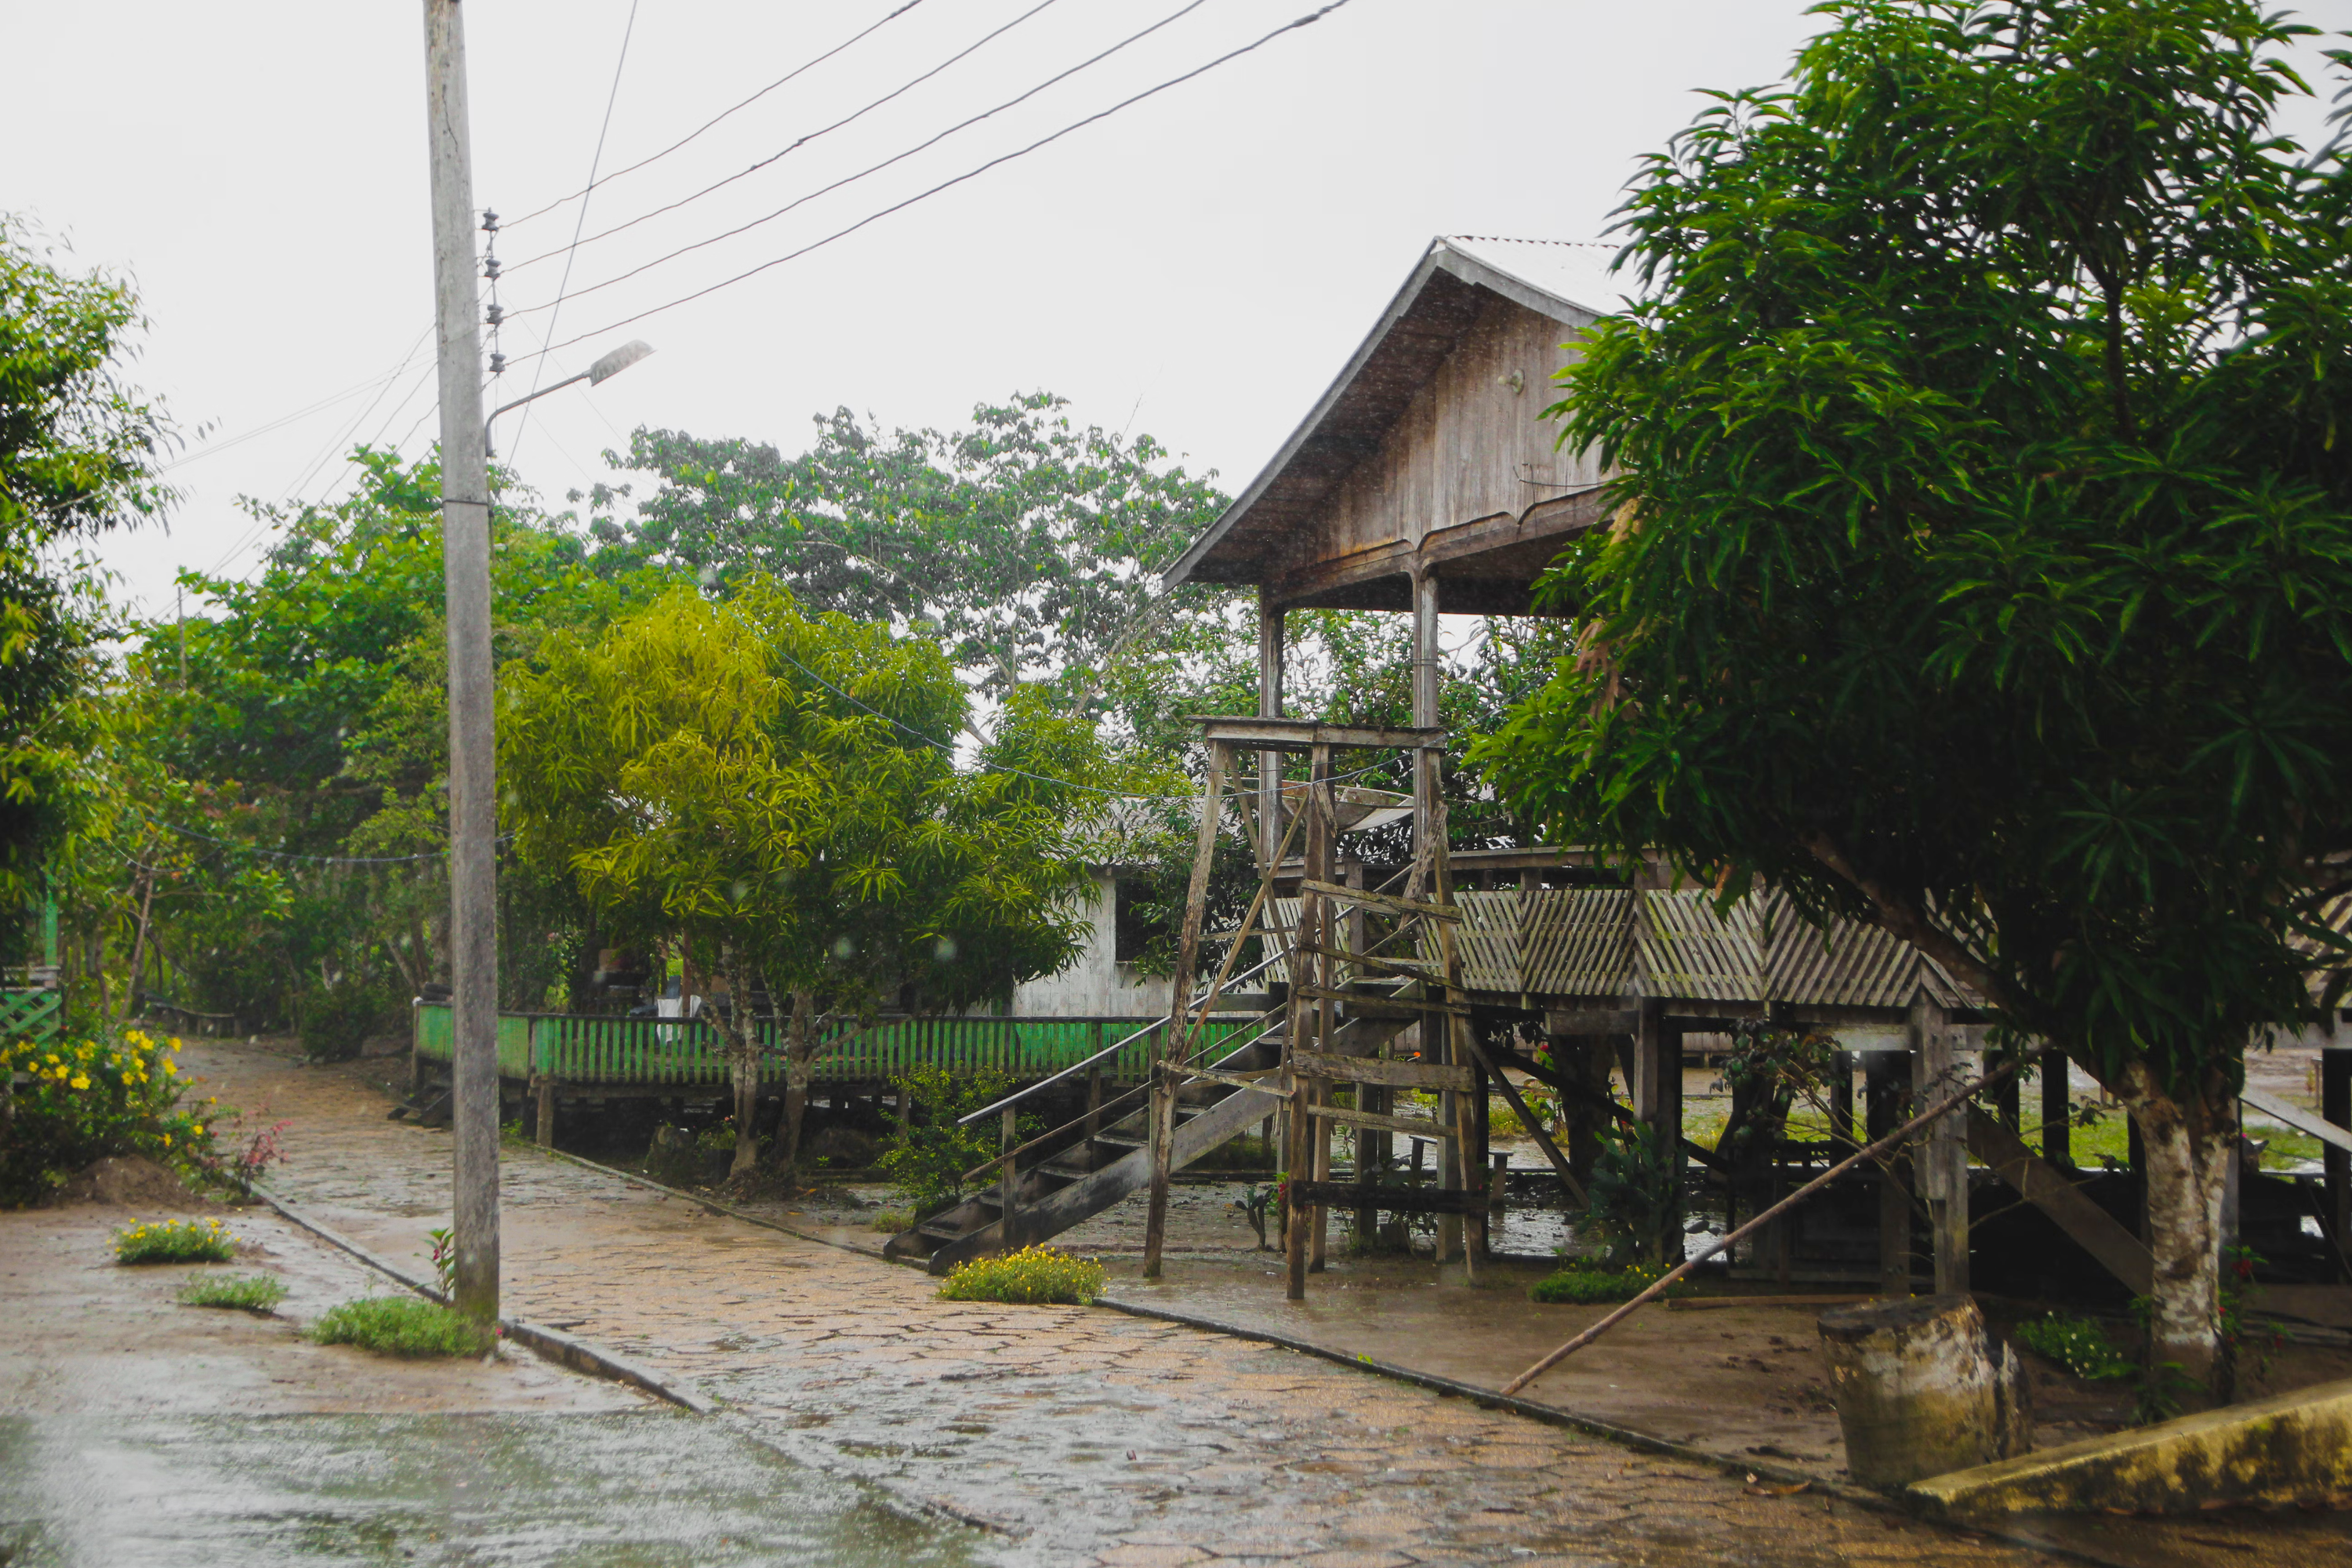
<point>175,1241</point>
<point>402,1326</point>
<point>2078,1344</point>
<point>890,1222</point>
<point>249,1292</point>
<point>1633,1192</point>
<point>95,1097</point>
<point>1032,1277</point>
<point>1579,1284</point>
<point>334,1021</point>
<point>927,1161</point>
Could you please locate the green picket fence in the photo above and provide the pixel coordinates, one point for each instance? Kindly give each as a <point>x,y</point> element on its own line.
<point>30,1015</point>
<point>577,1049</point>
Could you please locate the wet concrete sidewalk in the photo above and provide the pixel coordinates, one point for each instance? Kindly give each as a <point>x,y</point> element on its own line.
<point>1073,1436</point>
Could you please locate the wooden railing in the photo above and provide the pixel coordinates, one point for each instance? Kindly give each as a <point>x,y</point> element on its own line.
<point>577,1048</point>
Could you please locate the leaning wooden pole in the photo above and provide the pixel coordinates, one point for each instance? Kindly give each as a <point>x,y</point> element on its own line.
<point>1940,1109</point>
<point>1165,1081</point>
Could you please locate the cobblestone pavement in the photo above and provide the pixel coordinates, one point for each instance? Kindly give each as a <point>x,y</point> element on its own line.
<point>1075,1435</point>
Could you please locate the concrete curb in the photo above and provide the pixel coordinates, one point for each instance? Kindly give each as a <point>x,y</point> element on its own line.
<point>713,1206</point>
<point>553,1344</point>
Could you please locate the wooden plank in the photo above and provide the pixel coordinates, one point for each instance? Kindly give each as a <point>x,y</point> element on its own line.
<point>1714,1303</point>
<point>1592,1021</point>
<point>1410,907</point>
<point>1394,1199</point>
<point>1413,1126</point>
<point>2309,1123</point>
<point>2047,1188</point>
<point>1238,1080</point>
<point>1403,968</point>
<point>1304,734</point>
<point>1368,1069</point>
<point>1368,1007</point>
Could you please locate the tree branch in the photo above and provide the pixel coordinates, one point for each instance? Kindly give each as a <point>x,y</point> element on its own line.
<point>1912,925</point>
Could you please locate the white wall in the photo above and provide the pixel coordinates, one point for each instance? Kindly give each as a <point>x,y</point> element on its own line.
<point>1096,985</point>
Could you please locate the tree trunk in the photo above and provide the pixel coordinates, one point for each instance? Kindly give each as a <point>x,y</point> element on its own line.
<point>134,990</point>
<point>2188,1147</point>
<point>742,1031</point>
<point>800,1053</point>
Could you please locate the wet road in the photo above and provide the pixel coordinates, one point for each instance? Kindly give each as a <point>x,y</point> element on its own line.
<point>632,1489</point>
<point>1081,1437</point>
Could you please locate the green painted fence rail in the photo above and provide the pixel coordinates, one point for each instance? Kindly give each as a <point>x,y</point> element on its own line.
<point>31,1015</point>
<point>576,1049</point>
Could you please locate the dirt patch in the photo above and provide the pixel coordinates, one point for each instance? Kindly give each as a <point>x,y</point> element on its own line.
<point>134,1181</point>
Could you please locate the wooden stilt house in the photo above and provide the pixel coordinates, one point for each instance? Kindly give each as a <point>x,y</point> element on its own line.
<point>1425,480</point>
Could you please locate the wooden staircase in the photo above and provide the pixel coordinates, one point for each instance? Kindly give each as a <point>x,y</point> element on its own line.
<point>1072,1177</point>
<point>1066,1180</point>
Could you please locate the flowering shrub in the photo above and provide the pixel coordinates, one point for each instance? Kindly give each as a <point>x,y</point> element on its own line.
<point>86,1100</point>
<point>175,1241</point>
<point>1035,1276</point>
<point>2078,1344</point>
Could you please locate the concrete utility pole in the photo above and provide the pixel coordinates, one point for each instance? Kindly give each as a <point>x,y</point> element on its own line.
<point>466,555</point>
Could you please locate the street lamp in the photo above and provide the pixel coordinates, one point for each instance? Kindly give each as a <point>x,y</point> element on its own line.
<point>596,375</point>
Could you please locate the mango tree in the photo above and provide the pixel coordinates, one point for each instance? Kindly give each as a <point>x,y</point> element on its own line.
<point>781,791</point>
<point>1983,555</point>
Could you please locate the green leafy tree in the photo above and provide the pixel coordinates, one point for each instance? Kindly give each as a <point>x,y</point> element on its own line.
<point>78,455</point>
<point>777,789</point>
<point>1983,565</point>
<point>309,736</point>
<point>1030,546</point>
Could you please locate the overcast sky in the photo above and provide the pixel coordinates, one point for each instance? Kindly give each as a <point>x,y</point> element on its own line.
<point>1198,266</point>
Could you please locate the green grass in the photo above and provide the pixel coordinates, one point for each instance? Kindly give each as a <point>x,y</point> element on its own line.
<point>1579,1285</point>
<point>890,1222</point>
<point>249,1292</point>
<point>402,1326</point>
<point>1032,1277</point>
<point>175,1241</point>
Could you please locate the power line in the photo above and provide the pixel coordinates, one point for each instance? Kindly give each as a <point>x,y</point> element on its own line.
<point>1311,16</point>
<point>788,76</point>
<point>284,419</point>
<point>802,201</point>
<point>799,142</point>
<point>596,159</point>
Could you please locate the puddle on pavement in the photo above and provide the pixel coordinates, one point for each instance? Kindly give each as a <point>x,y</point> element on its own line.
<point>647,1489</point>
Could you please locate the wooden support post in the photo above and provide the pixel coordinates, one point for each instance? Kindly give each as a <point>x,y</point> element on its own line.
<point>544,1115</point>
<point>1322,835</point>
<point>1008,1183</point>
<point>2336,1106</point>
<point>1175,1038</point>
<point>1887,1084</point>
<point>1269,706</point>
<point>2057,1117</point>
<point>1657,1089</point>
<point>1843,1134</point>
<point>1942,1161</point>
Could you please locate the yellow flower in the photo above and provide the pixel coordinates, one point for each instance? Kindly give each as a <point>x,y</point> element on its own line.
<point>79,1081</point>
<point>167,1140</point>
<point>171,1069</point>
